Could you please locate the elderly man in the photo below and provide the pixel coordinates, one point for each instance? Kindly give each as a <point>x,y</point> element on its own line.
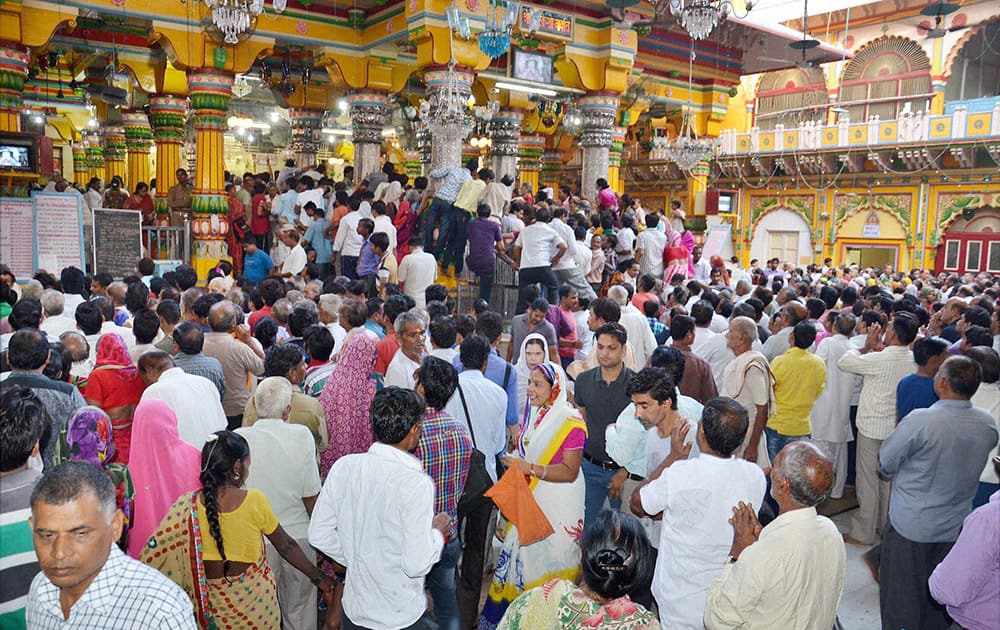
<point>291,491</point>
<point>882,364</point>
<point>288,362</point>
<point>375,516</point>
<point>28,354</point>
<point>781,328</point>
<point>56,322</point>
<point>193,399</point>
<point>831,415</point>
<point>934,459</point>
<point>640,335</point>
<point>696,497</point>
<point>748,380</point>
<point>789,574</point>
<point>411,332</point>
<point>86,580</point>
<point>188,346</point>
<point>239,353</point>
<point>329,316</point>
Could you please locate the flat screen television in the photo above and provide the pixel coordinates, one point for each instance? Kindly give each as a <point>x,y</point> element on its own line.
<point>18,152</point>
<point>534,67</point>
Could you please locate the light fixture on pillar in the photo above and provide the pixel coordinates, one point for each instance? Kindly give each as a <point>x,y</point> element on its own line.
<point>235,18</point>
<point>698,17</point>
<point>446,111</point>
<point>500,20</point>
<point>458,22</point>
<point>688,150</point>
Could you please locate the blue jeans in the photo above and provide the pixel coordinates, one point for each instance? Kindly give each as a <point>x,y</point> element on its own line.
<point>349,266</point>
<point>440,210</point>
<point>777,441</point>
<point>486,284</point>
<point>455,252</point>
<point>441,583</point>
<point>596,480</point>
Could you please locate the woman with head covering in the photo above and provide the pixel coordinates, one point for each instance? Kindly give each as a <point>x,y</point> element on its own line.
<point>549,450</point>
<point>675,256</point>
<point>534,352</point>
<point>346,400</point>
<point>617,560</point>
<point>163,468</point>
<point>88,438</point>
<point>405,221</point>
<point>114,386</point>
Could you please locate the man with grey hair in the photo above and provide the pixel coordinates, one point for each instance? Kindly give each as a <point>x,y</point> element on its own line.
<point>329,316</point>
<point>748,380</point>
<point>934,458</point>
<point>789,574</point>
<point>411,331</point>
<point>239,354</point>
<point>32,290</point>
<point>280,313</point>
<point>79,353</point>
<point>55,322</point>
<point>830,420</point>
<point>640,335</point>
<point>75,524</point>
<point>291,491</point>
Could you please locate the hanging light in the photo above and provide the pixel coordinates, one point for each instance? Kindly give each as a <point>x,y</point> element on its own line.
<point>495,39</point>
<point>698,17</point>
<point>235,17</point>
<point>688,150</point>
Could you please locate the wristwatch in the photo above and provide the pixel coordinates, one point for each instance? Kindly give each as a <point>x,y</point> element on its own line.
<point>732,560</point>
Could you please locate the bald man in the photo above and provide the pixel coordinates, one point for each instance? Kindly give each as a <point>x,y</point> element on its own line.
<point>748,380</point>
<point>789,574</point>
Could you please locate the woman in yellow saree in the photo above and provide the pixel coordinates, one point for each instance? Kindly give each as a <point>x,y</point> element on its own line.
<point>550,449</point>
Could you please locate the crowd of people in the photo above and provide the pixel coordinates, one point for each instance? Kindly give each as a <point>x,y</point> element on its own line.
<point>314,432</point>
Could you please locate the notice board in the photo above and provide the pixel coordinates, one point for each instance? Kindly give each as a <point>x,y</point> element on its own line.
<point>117,241</point>
<point>58,231</point>
<point>715,241</point>
<point>17,241</point>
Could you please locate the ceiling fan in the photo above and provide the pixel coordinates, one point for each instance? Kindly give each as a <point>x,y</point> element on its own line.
<point>938,11</point>
<point>806,43</point>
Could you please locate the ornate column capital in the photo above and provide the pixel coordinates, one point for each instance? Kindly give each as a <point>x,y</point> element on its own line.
<point>167,116</point>
<point>368,110</point>
<point>530,150</point>
<point>210,92</point>
<point>114,143</point>
<point>13,74</point>
<point>138,133</point>
<point>307,125</point>
<point>505,131</point>
<point>597,113</point>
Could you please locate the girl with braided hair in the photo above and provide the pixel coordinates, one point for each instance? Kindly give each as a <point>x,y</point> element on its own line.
<point>211,543</point>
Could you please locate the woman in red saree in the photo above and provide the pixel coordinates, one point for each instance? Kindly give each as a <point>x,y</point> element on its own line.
<point>238,228</point>
<point>114,385</point>
<point>405,221</point>
<point>143,202</point>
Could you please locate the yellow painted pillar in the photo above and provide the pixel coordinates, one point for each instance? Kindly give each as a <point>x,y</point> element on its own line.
<point>531,150</point>
<point>615,159</point>
<point>167,114</point>
<point>80,175</point>
<point>210,92</point>
<point>95,159</point>
<point>138,140</point>
<point>552,169</point>
<point>115,153</point>
<point>13,73</point>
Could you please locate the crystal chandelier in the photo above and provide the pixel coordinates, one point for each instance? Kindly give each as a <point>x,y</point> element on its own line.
<point>698,17</point>
<point>495,39</point>
<point>688,150</point>
<point>446,110</point>
<point>235,17</point>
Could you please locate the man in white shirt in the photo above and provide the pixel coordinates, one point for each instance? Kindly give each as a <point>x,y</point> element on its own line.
<point>383,223</point>
<point>291,491</point>
<point>56,322</point>
<point>789,574</point>
<point>329,316</point>
<point>348,243</point>
<point>782,325</point>
<point>411,333</point>
<point>702,268</point>
<point>747,379</point>
<point>307,192</point>
<point>194,399</point>
<point>417,271</point>
<point>696,497</point>
<point>537,250</point>
<point>716,351</point>
<point>881,364</point>
<point>640,336</point>
<point>701,313</point>
<point>649,246</point>
<point>296,260</point>
<point>443,334</point>
<point>371,499</point>
<point>567,271</point>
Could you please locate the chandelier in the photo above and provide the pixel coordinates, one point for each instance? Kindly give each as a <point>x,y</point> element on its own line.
<point>495,39</point>
<point>445,112</point>
<point>235,17</point>
<point>698,17</point>
<point>688,150</point>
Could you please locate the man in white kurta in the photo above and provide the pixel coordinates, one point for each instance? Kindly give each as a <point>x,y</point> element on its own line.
<point>831,415</point>
<point>194,399</point>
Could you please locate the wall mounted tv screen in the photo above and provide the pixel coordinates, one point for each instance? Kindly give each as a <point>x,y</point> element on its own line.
<point>534,67</point>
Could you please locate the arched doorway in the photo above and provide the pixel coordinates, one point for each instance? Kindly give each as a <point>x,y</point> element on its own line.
<point>971,243</point>
<point>782,234</point>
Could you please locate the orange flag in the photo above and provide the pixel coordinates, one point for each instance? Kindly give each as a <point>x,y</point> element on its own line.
<point>514,499</point>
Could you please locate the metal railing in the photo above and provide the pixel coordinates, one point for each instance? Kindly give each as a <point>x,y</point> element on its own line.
<point>503,298</point>
<point>167,242</point>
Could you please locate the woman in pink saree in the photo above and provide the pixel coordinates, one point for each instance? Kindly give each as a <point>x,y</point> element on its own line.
<point>675,256</point>
<point>163,468</point>
<point>346,400</point>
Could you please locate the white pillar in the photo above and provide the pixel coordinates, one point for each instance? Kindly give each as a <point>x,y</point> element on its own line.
<point>598,114</point>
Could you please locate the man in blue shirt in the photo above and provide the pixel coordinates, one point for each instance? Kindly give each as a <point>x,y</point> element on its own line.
<point>256,264</point>
<point>316,236</point>
<point>285,208</point>
<point>490,325</point>
<point>916,391</point>
<point>368,261</point>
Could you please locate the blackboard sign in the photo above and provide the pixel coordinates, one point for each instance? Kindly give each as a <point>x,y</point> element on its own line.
<point>117,241</point>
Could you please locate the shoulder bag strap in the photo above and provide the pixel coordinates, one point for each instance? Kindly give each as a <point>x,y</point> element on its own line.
<point>468,418</point>
<point>506,375</point>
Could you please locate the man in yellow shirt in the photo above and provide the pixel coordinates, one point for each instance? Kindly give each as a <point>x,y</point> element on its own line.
<point>799,379</point>
<point>469,196</point>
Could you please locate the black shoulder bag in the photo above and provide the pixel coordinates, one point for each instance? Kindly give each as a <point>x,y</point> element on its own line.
<point>478,480</point>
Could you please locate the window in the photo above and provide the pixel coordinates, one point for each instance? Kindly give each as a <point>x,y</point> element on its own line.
<point>886,75</point>
<point>784,246</point>
<point>993,258</point>
<point>951,249</point>
<point>790,97</point>
<point>972,254</point>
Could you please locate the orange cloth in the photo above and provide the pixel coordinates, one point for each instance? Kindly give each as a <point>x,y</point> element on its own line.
<point>514,499</point>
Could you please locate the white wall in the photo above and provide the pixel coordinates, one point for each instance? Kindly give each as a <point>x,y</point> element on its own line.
<point>780,220</point>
